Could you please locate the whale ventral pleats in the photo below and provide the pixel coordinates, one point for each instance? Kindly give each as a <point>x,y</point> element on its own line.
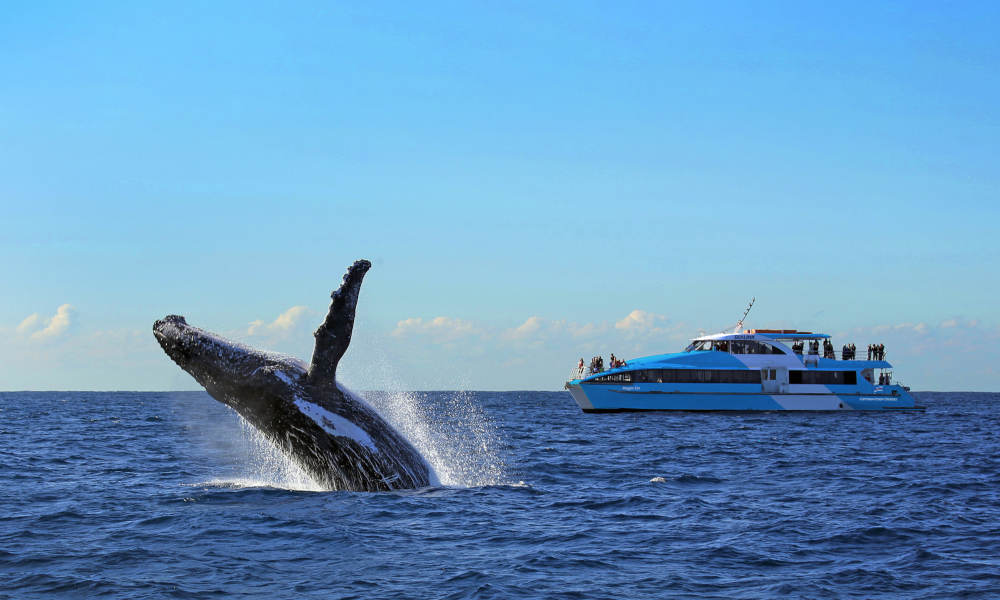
<point>334,334</point>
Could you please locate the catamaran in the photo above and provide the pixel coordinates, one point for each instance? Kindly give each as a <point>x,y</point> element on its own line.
<point>749,370</point>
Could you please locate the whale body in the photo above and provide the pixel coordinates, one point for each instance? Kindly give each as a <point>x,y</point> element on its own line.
<point>340,441</point>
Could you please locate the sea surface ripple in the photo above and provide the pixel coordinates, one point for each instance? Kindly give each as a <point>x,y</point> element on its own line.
<point>169,495</point>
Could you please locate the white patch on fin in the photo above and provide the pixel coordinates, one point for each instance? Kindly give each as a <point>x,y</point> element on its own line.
<point>335,425</point>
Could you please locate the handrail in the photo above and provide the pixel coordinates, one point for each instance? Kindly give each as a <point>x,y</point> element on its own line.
<point>839,355</point>
<point>582,373</point>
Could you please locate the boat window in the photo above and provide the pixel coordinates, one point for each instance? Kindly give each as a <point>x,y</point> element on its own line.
<point>623,377</point>
<point>765,348</point>
<point>702,346</point>
<point>682,376</point>
<point>823,377</point>
<point>722,346</point>
<point>753,347</point>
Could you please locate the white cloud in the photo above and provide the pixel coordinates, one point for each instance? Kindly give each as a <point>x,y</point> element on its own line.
<point>285,322</point>
<point>29,324</point>
<point>640,320</point>
<point>586,330</point>
<point>439,329</point>
<point>641,323</point>
<point>525,330</point>
<point>54,326</point>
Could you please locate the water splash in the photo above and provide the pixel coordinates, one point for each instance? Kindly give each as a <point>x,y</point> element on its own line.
<point>451,431</point>
<point>463,445</point>
<point>261,464</point>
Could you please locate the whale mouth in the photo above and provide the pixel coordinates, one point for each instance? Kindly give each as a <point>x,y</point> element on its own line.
<point>168,327</point>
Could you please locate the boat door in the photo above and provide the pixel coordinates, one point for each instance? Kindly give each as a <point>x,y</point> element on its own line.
<point>774,380</point>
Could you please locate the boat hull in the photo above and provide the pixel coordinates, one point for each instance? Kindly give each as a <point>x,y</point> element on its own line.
<point>614,398</point>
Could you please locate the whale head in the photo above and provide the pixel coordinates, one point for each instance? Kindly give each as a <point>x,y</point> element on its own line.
<point>222,365</point>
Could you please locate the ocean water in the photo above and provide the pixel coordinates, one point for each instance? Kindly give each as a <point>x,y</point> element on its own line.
<point>169,495</point>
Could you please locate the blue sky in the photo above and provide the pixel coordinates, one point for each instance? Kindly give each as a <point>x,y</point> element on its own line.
<point>534,182</point>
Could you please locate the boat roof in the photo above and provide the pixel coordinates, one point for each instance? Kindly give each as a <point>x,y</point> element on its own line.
<point>764,334</point>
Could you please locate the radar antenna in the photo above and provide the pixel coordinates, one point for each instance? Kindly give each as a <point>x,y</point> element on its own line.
<point>745,313</point>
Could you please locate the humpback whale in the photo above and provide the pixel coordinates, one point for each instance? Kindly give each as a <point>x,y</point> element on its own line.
<point>340,441</point>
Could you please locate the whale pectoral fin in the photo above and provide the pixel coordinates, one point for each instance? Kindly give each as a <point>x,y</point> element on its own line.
<point>334,334</point>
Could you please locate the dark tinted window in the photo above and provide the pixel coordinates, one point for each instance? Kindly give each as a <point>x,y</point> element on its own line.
<point>823,377</point>
<point>753,347</point>
<point>625,377</point>
<point>682,376</point>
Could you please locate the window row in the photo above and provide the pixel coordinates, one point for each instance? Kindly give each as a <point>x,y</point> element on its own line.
<point>823,377</point>
<point>727,376</point>
<point>682,376</point>
<point>735,347</point>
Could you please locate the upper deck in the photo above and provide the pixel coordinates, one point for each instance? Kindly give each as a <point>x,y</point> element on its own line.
<point>765,334</point>
<point>752,349</point>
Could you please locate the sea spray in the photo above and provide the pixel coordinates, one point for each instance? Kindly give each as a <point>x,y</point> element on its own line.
<point>266,465</point>
<point>451,431</point>
<point>253,460</point>
<point>464,446</point>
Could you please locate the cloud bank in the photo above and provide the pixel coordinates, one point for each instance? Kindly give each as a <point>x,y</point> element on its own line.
<point>284,324</point>
<point>53,327</point>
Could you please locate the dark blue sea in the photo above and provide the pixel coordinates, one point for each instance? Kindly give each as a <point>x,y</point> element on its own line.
<point>170,495</point>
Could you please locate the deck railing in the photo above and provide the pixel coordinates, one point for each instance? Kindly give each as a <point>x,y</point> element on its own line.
<point>839,355</point>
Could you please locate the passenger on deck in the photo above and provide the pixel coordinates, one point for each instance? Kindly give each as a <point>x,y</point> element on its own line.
<point>881,351</point>
<point>869,352</point>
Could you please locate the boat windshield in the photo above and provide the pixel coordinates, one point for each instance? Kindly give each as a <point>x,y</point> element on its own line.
<point>702,346</point>
<point>736,347</point>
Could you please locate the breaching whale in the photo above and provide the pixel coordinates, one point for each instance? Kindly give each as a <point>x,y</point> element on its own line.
<point>341,442</point>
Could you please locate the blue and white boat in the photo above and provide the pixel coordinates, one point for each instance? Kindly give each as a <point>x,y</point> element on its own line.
<point>758,369</point>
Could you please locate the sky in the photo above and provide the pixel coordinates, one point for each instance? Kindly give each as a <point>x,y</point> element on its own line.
<point>533,182</point>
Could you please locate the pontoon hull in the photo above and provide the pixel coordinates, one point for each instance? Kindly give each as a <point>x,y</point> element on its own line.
<point>616,398</point>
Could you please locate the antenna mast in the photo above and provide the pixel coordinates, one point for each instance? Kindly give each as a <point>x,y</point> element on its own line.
<point>745,313</point>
